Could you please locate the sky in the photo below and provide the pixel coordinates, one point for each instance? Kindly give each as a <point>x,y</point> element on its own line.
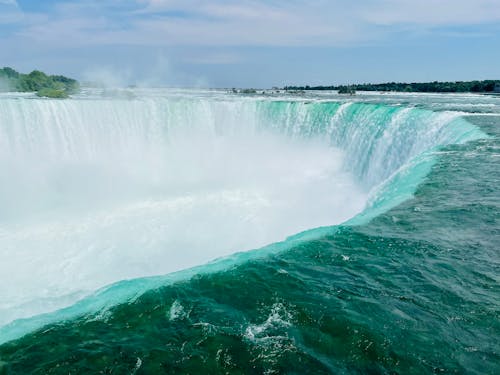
<point>253,43</point>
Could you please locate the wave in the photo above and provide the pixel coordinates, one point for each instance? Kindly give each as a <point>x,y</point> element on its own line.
<point>98,191</point>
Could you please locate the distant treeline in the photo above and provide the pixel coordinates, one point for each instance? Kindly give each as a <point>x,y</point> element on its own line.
<point>459,86</point>
<point>53,86</point>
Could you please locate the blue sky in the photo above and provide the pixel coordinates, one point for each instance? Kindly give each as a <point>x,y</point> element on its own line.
<point>253,43</point>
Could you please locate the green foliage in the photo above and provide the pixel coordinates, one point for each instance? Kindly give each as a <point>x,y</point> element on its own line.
<point>71,86</point>
<point>8,78</point>
<point>52,93</point>
<point>34,81</point>
<point>55,86</point>
<point>487,86</point>
<point>346,90</point>
<point>8,73</point>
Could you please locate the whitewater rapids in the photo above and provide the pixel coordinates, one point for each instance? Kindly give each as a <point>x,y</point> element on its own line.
<point>95,191</point>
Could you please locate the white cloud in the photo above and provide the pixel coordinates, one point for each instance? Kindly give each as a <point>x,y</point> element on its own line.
<point>216,23</point>
<point>10,12</point>
<point>248,22</point>
<point>438,13</point>
<point>212,58</point>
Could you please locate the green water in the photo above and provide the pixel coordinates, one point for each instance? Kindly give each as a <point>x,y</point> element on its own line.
<point>416,290</point>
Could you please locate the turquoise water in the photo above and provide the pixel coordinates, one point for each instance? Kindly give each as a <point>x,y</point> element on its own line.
<point>406,284</point>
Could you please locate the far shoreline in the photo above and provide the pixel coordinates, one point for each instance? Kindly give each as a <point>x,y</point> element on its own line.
<point>435,87</point>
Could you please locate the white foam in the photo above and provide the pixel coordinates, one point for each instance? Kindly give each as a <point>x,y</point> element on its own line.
<point>91,198</point>
<point>94,191</point>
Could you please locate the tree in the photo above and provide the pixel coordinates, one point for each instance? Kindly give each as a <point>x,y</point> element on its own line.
<point>37,81</point>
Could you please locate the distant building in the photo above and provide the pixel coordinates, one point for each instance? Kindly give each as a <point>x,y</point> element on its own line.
<point>497,87</point>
